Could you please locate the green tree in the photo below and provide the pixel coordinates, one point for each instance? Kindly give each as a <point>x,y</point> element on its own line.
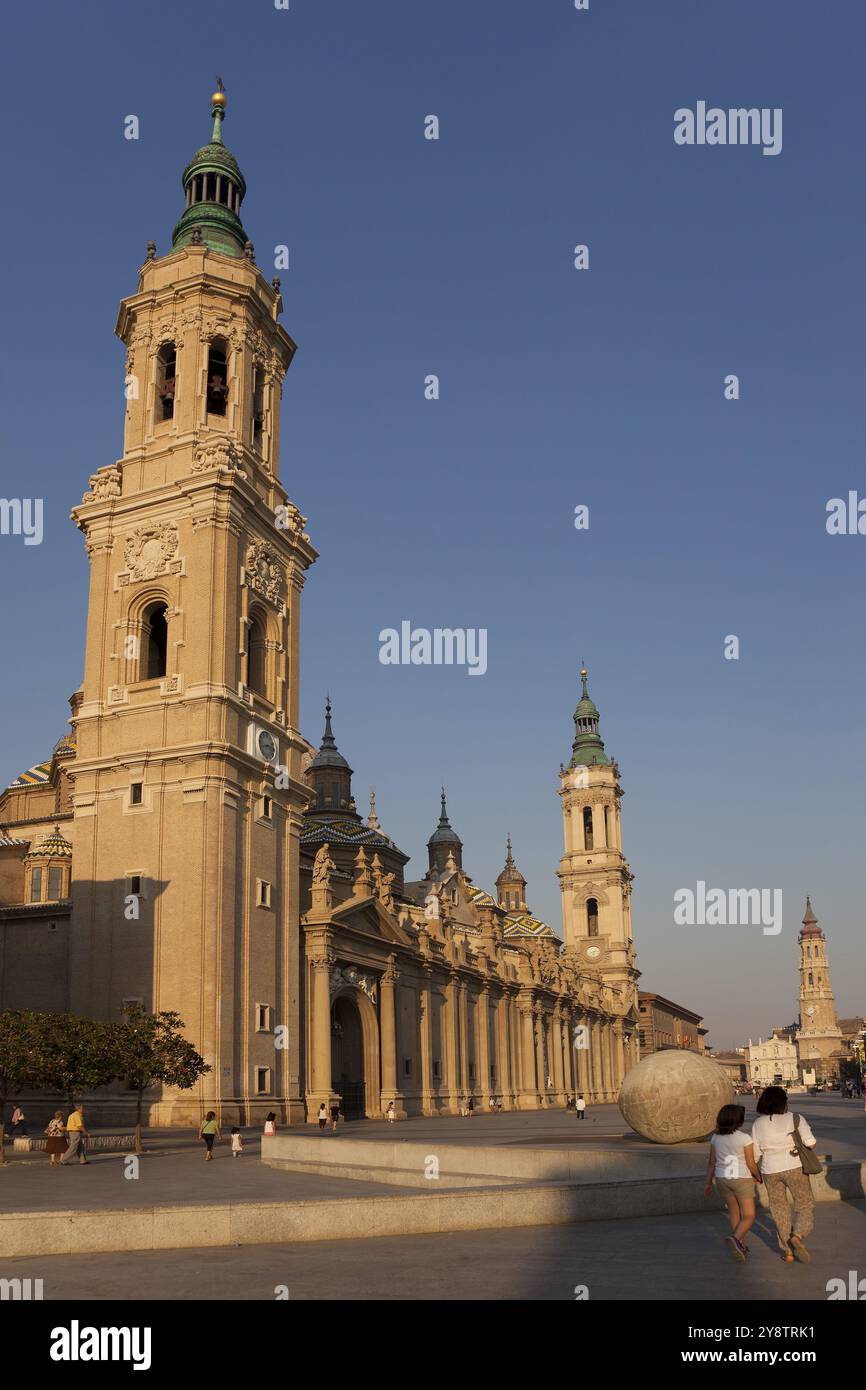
<point>21,1060</point>
<point>77,1054</point>
<point>152,1051</point>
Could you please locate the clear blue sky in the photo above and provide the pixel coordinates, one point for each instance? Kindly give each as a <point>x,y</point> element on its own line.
<point>410,257</point>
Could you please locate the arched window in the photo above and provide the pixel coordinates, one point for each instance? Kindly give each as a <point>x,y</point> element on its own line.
<point>217,377</point>
<point>154,642</point>
<point>166,378</point>
<point>256,651</point>
<point>591,917</point>
<point>258,406</point>
<point>810,977</point>
<point>587,827</point>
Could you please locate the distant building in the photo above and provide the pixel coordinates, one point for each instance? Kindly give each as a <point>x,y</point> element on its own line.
<point>819,1037</point>
<point>664,1024</point>
<point>734,1064</point>
<point>774,1062</point>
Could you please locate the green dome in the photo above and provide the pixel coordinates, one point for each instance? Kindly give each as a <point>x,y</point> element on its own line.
<point>214,189</point>
<point>588,747</point>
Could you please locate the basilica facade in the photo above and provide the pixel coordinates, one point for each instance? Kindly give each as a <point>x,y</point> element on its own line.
<point>186,847</point>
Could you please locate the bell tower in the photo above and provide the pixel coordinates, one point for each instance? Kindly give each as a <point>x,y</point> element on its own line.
<point>819,1034</point>
<point>594,875</point>
<point>189,791</point>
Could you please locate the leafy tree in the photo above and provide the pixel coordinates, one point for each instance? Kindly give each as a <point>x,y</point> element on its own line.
<point>21,1061</point>
<point>77,1054</point>
<point>152,1051</point>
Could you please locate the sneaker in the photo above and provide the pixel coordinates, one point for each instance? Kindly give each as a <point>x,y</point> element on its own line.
<point>736,1248</point>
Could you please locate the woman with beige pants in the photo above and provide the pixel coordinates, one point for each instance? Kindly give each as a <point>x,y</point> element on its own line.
<point>773,1138</point>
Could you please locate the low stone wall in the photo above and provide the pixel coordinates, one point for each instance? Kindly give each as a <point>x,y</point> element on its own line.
<point>34,1143</point>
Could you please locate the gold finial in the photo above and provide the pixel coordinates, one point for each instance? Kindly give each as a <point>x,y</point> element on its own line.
<point>219,97</point>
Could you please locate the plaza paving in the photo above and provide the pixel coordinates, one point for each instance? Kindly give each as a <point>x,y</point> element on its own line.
<point>654,1258</point>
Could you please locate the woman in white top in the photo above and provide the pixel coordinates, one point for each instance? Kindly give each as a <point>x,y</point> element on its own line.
<point>732,1164</point>
<point>773,1136</point>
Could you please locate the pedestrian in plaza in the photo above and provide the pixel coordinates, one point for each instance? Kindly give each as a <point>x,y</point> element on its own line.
<point>77,1134</point>
<point>270,1123</point>
<point>237,1142</point>
<point>55,1141</point>
<point>18,1121</point>
<point>335,1114</point>
<point>471,1107</point>
<point>783,1142</point>
<point>580,1106</point>
<point>732,1164</point>
<point>391,1113</point>
<point>322,1116</point>
<point>209,1131</point>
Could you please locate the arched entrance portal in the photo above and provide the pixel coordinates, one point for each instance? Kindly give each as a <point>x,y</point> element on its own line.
<point>347,1057</point>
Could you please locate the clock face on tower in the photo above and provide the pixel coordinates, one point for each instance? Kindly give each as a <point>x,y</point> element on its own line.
<point>267,746</point>
<point>592,952</point>
<point>810,1010</point>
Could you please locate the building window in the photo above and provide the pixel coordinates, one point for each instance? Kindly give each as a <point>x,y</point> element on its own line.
<point>135,884</point>
<point>155,642</point>
<point>55,884</point>
<point>265,808</point>
<point>263,1080</point>
<point>166,381</point>
<point>437,1068</point>
<point>263,1018</point>
<point>217,377</point>
<point>407,1066</point>
<point>258,406</point>
<point>263,893</point>
<point>135,793</point>
<point>587,827</point>
<point>256,650</point>
<point>471,1071</point>
<point>36,885</point>
<point>591,917</point>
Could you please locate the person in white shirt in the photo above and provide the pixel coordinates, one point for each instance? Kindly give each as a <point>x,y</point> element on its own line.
<point>580,1106</point>
<point>732,1164</point>
<point>773,1136</point>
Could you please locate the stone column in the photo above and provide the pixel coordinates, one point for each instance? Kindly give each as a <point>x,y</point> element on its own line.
<point>425,1000</point>
<point>541,1071</point>
<point>529,1088</point>
<point>463,1014</point>
<point>452,1052</point>
<point>321,1028</point>
<point>556,1065</point>
<point>388,1032</point>
<point>482,1022</point>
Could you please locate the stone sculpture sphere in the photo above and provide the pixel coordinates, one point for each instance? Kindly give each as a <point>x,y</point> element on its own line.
<point>674,1096</point>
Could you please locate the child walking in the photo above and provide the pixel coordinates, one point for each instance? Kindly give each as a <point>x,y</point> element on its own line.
<point>732,1164</point>
<point>237,1142</point>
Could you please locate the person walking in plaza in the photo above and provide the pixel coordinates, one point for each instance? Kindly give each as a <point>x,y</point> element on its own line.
<point>18,1122</point>
<point>77,1135</point>
<point>55,1141</point>
<point>335,1114</point>
<point>785,1165</point>
<point>732,1165</point>
<point>270,1124</point>
<point>580,1106</point>
<point>237,1142</point>
<point>391,1113</point>
<point>471,1106</point>
<point>209,1131</point>
<point>322,1116</point>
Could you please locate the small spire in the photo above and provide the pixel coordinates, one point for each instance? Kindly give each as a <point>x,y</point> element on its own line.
<point>373,819</point>
<point>583,675</point>
<point>218,104</point>
<point>443,816</point>
<point>509,860</point>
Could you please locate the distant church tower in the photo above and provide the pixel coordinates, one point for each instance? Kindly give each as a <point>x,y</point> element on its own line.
<point>594,875</point>
<point>189,791</point>
<point>511,885</point>
<point>819,1034</point>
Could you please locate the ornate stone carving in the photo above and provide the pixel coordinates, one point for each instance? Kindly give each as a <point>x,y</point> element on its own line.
<point>150,551</point>
<point>342,975</point>
<point>264,573</point>
<point>288,518</point>
<point>104,483</point>
<point>363,886</point>
<point>218,452</point>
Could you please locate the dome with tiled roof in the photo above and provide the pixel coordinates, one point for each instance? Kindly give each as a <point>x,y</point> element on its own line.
<point>54,846</point>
